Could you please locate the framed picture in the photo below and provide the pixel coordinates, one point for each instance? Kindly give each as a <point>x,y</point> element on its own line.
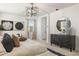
<point>18,25</point>
<point>7,25</point>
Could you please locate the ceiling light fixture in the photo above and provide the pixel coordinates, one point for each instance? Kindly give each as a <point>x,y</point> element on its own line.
<point>32,10</point>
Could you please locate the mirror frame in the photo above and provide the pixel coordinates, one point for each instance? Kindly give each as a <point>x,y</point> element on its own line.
<point>67,24</point>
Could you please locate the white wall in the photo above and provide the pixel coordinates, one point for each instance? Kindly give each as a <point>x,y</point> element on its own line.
<point>73,14</point>
<point>14,18</point>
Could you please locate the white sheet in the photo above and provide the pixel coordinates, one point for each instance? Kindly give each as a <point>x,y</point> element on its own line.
<point>28,48</point>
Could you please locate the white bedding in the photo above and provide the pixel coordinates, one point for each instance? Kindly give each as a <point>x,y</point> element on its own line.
<point>28,48</point>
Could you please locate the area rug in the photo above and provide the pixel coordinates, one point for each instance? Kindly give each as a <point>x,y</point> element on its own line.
<point>55,52</point>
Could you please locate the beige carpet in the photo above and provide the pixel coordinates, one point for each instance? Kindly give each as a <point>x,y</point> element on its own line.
<point>63,51</point>
<point>47,53</point>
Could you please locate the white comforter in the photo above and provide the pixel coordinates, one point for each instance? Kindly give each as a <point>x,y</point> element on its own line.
<point>28,48</point>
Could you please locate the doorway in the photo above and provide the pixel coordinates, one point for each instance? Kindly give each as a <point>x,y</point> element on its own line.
<point>31,27</point>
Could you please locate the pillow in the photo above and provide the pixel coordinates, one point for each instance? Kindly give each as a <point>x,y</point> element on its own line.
<point>2,50</point>
<point>7,43</point>
<point>16,41</point>
<point>22,38</point>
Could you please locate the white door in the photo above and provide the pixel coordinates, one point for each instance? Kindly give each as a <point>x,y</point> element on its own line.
<point>44,28</point>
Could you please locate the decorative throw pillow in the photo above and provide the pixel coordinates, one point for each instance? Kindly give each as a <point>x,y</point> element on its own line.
<point>22,38</point>
<point>16,41</point>
<point>7,43</point>
<point>2,50</point>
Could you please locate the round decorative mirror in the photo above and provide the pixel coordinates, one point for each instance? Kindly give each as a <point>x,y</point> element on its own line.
<point>63,25</point>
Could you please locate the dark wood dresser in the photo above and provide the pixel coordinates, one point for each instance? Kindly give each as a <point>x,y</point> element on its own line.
<point>67,41</point>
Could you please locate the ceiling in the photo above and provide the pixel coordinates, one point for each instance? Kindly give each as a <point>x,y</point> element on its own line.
<point>20,8</point>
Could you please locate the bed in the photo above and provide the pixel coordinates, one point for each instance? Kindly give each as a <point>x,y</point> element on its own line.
<point>27,48</point>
